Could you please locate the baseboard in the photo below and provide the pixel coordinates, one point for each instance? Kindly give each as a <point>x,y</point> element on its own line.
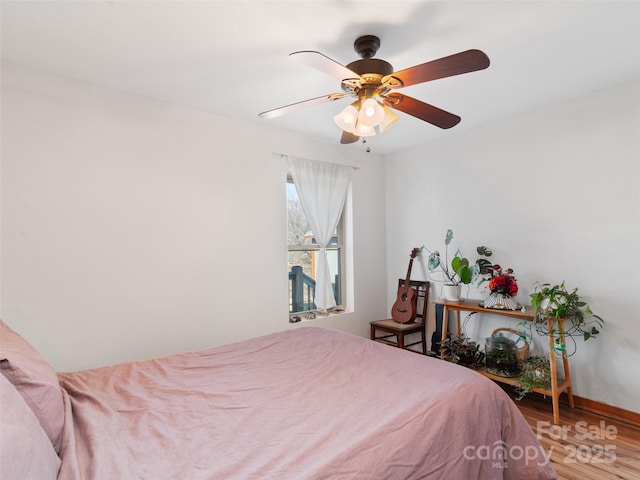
<point>603,409</point>
<point>591,406</point>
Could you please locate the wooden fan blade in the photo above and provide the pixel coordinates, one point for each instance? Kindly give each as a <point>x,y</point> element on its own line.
<point>276,112</point>
<point>421,110</point>
<point>325,64</point>
<point>348,138</point>
<point>456,64</point>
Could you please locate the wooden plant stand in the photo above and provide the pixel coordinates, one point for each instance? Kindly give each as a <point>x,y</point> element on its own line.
<point>556,388</point>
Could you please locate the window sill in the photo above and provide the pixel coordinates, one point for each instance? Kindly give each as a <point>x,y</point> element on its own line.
<point>315,314</point>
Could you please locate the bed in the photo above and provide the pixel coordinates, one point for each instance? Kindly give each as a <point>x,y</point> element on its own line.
<point>305,403</point>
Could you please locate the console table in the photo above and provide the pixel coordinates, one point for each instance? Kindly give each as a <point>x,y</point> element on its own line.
<point>528,315</point>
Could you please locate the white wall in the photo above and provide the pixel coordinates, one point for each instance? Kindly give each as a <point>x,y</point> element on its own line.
<point>130,226</point>
<point>133,228</point>
<point>556,194</point>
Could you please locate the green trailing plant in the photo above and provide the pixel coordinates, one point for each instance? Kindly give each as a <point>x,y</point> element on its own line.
<point>556,301</point>
<point>459,270</point>
<point>536,373</point>
<point>462,351</point>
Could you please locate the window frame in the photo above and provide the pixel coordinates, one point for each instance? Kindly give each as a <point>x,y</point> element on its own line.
<point>339,246</point>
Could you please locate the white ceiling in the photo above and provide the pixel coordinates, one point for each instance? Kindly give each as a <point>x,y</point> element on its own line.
<point>231,57</point>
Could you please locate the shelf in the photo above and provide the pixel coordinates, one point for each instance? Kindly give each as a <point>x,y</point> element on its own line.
<point>474,306</point>
<point>515,381</point>
<point>557,386</point>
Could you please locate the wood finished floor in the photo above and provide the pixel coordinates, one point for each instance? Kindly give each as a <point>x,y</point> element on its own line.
<point>585,445</point>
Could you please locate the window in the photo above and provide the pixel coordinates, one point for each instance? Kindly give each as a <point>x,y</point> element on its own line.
<point>303,256</point>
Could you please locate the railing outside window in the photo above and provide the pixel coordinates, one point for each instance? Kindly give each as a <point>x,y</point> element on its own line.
<point>302,289</point>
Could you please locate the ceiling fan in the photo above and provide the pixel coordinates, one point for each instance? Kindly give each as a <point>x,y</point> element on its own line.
<point>371,81</point>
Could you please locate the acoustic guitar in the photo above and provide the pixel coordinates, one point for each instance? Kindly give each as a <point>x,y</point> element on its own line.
<point>404,309</point>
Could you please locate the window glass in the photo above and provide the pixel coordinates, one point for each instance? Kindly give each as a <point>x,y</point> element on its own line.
<point>303,257</point>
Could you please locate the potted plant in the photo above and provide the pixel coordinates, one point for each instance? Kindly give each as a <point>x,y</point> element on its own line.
<point>536,373</point>
<point>462,351</point>
<point>456,272</point>
<point>556,301</point>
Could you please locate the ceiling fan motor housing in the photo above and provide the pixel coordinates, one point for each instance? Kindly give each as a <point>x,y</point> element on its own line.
<point>370,70</point>
<point>371,65</point>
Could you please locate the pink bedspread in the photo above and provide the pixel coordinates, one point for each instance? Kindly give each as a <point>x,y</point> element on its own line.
<point>307,403</point>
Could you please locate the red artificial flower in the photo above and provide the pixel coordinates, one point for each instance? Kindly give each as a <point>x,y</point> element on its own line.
<point>505,284</point>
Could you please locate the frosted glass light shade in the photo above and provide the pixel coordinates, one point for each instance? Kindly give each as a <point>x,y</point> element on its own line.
<point>389,119</point>
<point>371,113</point>
<point>364,130</point>
<point>347,118</point>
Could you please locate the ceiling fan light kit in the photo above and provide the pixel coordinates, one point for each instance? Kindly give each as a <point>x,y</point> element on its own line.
<point>361,117</point>
<point>371,80</point>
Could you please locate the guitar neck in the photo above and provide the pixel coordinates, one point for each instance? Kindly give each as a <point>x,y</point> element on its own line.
<point>406,282</point>
<point>414,252</point>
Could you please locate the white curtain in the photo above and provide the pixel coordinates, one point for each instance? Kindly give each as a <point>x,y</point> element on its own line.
<point>322,189</point>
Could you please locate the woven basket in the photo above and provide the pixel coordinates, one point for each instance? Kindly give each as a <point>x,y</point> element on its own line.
<point>523,352</point>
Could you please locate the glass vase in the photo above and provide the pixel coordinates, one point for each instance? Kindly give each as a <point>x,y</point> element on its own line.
<point>501,301</point>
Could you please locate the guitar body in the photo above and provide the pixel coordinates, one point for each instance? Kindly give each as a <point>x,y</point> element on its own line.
<point>405,307</point>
